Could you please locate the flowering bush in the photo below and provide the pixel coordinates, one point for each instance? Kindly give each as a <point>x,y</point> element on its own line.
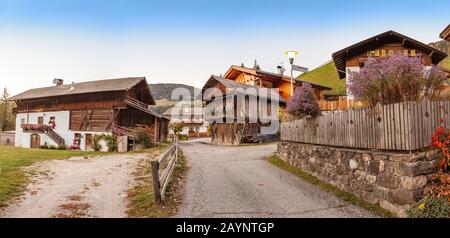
<point>35,127</point>
<point>394,79</point>
<point>437,201</point>
<point>303,102</point>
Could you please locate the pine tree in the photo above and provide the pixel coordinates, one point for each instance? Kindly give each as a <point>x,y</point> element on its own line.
<point>6,116</point>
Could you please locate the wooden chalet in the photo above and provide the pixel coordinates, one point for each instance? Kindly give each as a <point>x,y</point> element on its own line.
<point>256,77</point>
<point>226,128</point>
<point>71,114</point>
<point>385,44</point>
<point>446,33</point>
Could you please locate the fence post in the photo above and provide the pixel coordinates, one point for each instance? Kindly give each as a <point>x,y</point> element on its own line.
<point>156,185</point>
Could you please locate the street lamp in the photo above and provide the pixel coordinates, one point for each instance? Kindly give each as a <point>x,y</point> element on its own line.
<point>291,55</point>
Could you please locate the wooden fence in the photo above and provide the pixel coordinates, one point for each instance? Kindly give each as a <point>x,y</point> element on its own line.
<point>402,126</point>
<point>164,164</point>
<point>342,103</point>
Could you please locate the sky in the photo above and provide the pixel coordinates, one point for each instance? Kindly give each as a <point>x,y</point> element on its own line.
<point>185,42</point>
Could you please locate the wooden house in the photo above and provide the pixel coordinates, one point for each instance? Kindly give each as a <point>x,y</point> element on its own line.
<point>446,33</point>
<point>71,114</point>
<point>352,58</point>
<point>230,120</point>
<point>256,77</point>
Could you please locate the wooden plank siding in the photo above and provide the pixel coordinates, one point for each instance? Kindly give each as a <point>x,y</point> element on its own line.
<point>402,126</point>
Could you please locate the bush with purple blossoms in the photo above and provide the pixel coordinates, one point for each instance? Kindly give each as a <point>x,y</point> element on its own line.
<point>303,102</point>
<point>394,79</point>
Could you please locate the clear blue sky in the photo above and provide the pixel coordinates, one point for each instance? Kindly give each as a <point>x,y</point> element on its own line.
<point>186,41</point>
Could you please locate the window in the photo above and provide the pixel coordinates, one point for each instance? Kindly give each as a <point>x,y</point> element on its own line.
<point>22,121</point>
<point>52,122</point>
<point>41,120</point>
<point>412,53</point>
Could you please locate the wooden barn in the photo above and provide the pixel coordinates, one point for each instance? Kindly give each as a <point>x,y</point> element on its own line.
<point>231,125</point>
<point>72,114</point>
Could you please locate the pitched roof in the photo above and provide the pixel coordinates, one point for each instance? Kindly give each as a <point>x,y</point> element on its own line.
<point>106,85</point>
<point>340,56</point>
<point>236,87</point>
<point>261,72</point>
<point>327,75</point>
<point>445,34</point>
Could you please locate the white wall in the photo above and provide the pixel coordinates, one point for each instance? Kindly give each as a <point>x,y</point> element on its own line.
<point>62,119</point>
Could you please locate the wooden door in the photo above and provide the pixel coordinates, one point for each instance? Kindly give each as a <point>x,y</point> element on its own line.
<point>35,141</point>
<point>40,120</point>
<point>89,142</point>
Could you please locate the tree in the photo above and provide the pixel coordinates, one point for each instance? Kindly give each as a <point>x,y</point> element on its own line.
<point>303,102</point>
<point>397,78</point>
<point>7,119</point>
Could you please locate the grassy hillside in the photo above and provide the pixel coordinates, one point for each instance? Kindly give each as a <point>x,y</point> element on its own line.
<point>326,75</point>
<point>445,63</point>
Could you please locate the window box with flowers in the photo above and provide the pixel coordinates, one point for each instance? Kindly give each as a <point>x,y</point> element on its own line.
<point>35,128</point>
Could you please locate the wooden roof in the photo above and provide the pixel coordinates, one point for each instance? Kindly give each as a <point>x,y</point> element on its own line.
<point>234,69</point>
<point>106,85</point>
<point>445,34</point>
<point>340,56</point>
<point>234,86</point>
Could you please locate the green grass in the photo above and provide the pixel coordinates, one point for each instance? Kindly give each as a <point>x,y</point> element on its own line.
<point>346,196</point>
<point>141,196</point>
<point>326,75</point>
<point>13,179</point>
<point>445,63</point>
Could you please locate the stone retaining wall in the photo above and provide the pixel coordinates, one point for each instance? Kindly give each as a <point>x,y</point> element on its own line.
<point>394,180</point>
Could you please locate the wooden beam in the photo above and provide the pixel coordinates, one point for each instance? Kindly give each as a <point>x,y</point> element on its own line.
<point>404,41</point>
<point>431,53</point>
<point>112,118</point>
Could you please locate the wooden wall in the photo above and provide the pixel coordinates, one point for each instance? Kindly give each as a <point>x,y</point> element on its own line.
<point>354,59</point>
<point>91,120</point>
<point>401,126</point>
<point>106,100</point>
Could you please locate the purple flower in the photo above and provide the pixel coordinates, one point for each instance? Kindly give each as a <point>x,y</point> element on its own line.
<point>303,102</point>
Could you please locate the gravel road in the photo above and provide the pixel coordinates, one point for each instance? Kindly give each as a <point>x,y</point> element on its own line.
<point>239,182</point>
<point>77,187</point>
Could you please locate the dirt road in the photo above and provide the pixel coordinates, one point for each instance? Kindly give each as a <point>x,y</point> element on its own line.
<point>238,182</point>
<point>78,187</point>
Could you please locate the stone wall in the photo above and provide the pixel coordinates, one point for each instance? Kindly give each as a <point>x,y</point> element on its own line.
<point>393,180</point>
<point>7,138</point>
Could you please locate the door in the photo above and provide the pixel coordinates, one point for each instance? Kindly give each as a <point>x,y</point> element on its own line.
<point>89,142</point>
<point>40,120</point>
<point>35,141</point>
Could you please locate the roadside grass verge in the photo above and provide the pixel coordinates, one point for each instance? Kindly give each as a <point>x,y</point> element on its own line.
<point>346,196</point>
<point>258,144</point>
<point>141,197</point>
<point>13,179</point>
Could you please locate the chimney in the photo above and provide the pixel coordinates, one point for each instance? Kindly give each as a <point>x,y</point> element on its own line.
<point>281,69</point>
<point>72,86</point>
<point>58,82</point>
<point>256,66</point>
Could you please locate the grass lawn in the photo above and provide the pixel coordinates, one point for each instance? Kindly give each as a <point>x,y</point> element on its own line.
<point>13,180</point>
<point>346,196</point>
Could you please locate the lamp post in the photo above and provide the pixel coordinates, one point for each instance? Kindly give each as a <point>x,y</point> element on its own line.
<point>291,55</point>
